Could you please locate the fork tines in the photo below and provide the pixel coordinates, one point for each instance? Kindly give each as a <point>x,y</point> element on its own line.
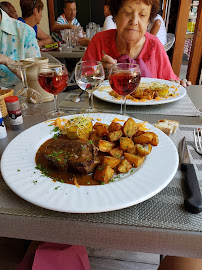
<point>198,140</point>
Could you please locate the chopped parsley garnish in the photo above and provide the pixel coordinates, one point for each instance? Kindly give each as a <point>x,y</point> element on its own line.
<point>34,182</point>
<point>56,187</point>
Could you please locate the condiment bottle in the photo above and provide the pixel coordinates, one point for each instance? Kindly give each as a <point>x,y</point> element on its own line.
<point>3,132</point>
<point>14,111</point>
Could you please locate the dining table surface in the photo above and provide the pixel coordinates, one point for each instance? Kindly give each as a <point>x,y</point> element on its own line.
<point>159,225</point>
<point>77,52</point>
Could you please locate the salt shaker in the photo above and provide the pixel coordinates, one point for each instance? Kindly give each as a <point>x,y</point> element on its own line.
<point>3,132</point>
<point>14,111</point>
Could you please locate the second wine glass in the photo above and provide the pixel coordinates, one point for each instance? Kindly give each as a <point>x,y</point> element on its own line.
<point>89,74</point>
<point>53,78</point>
<point>124,78</point>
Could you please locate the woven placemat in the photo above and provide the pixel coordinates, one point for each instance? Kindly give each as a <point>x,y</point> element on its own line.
<point>183,106</point>
<point>164,210</point>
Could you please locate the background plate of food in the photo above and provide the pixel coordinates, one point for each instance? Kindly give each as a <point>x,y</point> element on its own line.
<point>137,161</point>
<point>150,92</point>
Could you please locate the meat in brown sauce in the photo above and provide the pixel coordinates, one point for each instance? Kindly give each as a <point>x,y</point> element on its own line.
<point>68,154</point>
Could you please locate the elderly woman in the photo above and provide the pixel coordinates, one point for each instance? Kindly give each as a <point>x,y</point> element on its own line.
<point>131,40</point>
<point>31,15</point>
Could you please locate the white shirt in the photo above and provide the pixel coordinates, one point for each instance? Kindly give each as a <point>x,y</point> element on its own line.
<point>109,23</point>
<point>162,34</point>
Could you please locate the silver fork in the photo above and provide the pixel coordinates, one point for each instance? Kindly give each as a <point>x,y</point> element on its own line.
<point>198,140</point>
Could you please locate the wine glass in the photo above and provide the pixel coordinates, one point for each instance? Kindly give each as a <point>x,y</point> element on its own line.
<point>124,78</point>
<point>27,94</point>
<point>89,74</point>
<point>53,78</point>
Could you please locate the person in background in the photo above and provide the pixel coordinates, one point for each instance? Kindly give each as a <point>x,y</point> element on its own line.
<point>9,9</point>
<point>31,15</point>
<point>157,27</point>
<point>17,41</point>
<point>109,22</point>
<point>130,41</point>
<point>65,21</point>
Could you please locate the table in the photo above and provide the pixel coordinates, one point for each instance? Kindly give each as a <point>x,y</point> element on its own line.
<point>66,54</point>
<point>55,227</point>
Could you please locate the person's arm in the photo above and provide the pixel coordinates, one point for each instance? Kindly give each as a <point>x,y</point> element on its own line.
<point>84,41</point>
<point>4,60</point>
<point>43,37</point>
<point>156,27</point>
<point>58,27</point>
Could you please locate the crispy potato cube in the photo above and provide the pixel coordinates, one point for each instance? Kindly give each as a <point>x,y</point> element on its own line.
<point>102,130</point>
<point>103,173</point>
<point>114,126</point>
<point>126,143</point>
<point>135,160</point>
<point>105,146</point>
<point>144,150</point>
<point>114,135</point>
<point>97,124</point>
<point>111,161</point>
<point>155,140</point>
<point>132,150</point>
<point>94,136</point>
<point>125,166</point>
<point>138,133</point>
<point>143,138</point>
<point>130,127</point>
<point>116,152</point>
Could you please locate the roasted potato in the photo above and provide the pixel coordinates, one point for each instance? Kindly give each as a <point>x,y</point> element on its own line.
<point>94,136</point>
<point>103,173</point>
<point>144,150</point>
<point>126,143</point>
<point>111,161</point>
<point>102,130</point>
<point>114,135</point>
<point>143,138</point>
<point>155,140</point>
<point>135,160</point>
<point>130,127</point>
<point>138,133</point>
<point>97,124</point>
<point>105,146</point>
<point>124,166</point>
<point>132,150</point>
<point>114,126</point>
<point>116,152</point>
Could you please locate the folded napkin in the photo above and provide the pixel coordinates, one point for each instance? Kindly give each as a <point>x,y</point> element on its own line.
<point>52,256</point>
<point>143,68</point>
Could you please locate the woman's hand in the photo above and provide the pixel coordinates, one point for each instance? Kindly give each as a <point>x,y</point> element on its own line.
<point>107,61</point>
<point>183,82</point>
<point>4,60</point>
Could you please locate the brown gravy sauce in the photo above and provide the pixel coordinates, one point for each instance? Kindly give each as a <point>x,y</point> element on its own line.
<point>56,174</point>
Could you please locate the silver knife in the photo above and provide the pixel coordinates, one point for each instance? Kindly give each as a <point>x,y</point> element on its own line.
<point>193,202</point>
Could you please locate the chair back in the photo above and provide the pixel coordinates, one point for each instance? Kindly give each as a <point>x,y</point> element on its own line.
<point>51,58</point>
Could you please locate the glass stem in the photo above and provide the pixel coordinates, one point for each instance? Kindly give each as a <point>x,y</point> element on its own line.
<point>90,101</point>
<point>55,103</point>
<point>24,77</point>
<point>122,101</point>
<point>124,110</point>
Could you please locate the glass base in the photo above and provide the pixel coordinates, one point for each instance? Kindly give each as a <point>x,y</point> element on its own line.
<point>55,114</point>
<point>88,110</point>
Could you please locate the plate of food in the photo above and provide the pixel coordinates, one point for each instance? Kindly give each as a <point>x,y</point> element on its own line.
<point>89,163</point>
<point>149,92</point>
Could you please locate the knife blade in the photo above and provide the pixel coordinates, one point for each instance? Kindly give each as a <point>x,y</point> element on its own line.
<point>193,201</point>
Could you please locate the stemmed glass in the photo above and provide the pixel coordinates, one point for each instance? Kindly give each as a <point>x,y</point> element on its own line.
<point>27,94</point>
<point>89,74</point>
<point>53,78</point>
<point>124,78</point>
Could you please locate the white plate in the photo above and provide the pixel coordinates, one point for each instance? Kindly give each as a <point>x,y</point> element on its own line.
<point>107,97</point>
<point>18,171</point>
